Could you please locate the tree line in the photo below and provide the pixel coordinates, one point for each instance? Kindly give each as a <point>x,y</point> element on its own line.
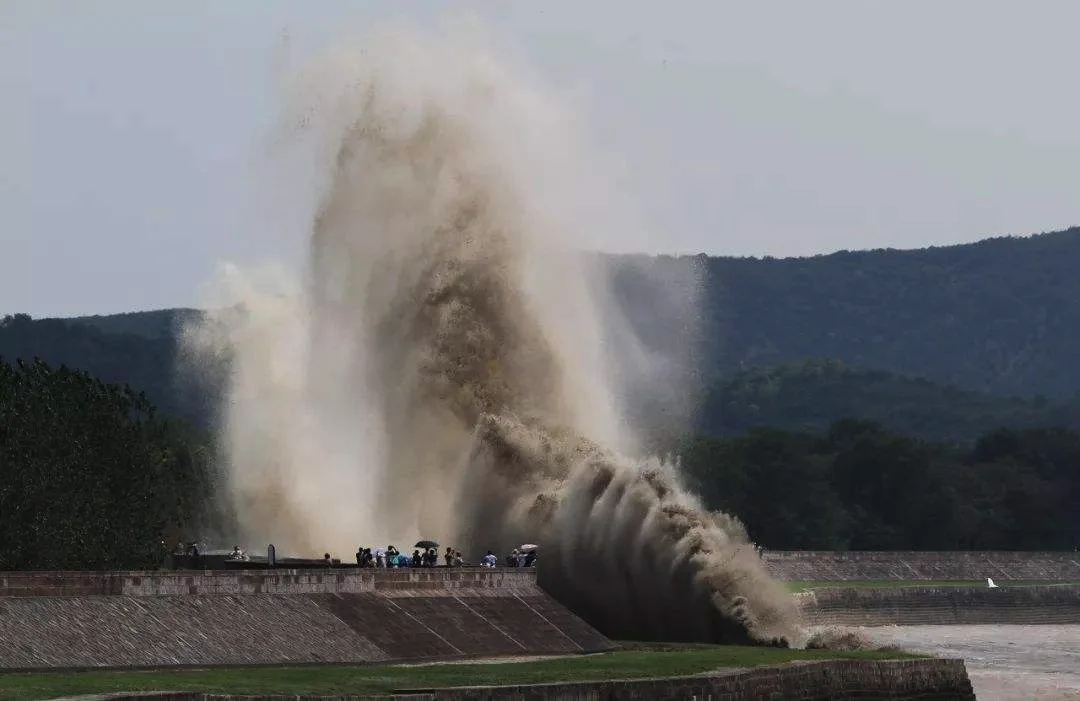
<point>90,476</point>
<point>809,396</point>
<point>93,477</point>
<point>143,353</point>
<point>859,487</point>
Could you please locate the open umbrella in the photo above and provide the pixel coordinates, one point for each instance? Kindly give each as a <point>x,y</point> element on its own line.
<point>425,544</point>
<point>528,548</point>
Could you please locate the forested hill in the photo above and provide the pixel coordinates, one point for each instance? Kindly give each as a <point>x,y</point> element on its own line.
<point>809,396</point>
<point>138,355</point>
<point>1000,316</point>
<point>163,323</point>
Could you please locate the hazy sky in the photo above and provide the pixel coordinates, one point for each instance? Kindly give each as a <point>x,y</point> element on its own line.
<point>130,130</point>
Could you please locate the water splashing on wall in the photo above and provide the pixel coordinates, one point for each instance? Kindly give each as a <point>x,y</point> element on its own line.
<point>449,364</point>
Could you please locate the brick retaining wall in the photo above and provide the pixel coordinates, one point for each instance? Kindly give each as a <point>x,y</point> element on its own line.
<point>75,620</point>
<point>895,680</point>
<point>1059,604</point>
<point>809,565</point>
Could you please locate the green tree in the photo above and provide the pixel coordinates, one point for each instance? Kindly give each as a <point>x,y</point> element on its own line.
<point>90,478</point>
<point>859,486</point>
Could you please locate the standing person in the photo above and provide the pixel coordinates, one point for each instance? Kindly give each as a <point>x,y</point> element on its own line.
<point>449,557</point>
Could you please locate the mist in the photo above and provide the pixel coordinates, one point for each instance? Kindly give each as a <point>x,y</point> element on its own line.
<point>451,364</point>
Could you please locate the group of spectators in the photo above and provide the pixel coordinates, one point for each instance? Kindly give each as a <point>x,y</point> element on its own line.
<point>391,557</point>
<point>516,558</point>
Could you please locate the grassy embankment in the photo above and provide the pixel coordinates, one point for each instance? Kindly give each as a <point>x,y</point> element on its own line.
<point>800,586</point>
<point>636,661</point>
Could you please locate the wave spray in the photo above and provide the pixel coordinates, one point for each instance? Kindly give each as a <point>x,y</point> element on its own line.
<point>447,365</point>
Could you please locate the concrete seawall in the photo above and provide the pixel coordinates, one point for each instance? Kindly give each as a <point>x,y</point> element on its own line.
<point>810,565</point>
<point>897,680</point>
<point>74,620</point>
<point>908,606</point>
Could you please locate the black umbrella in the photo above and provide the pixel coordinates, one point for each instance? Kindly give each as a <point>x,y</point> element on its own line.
<point>425,544</point>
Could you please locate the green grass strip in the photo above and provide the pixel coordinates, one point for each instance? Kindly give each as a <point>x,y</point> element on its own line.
<point>640,661</point>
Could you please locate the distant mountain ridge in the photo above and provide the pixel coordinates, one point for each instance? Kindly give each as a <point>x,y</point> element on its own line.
<point>157,324</point>
<point>997,317</point>
<point>1000,316</point>
<point>140,355</point>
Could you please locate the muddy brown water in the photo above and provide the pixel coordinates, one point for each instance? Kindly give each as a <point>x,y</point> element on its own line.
<point>1005,662</point>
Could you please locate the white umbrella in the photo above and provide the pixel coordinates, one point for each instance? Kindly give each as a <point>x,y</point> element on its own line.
<point>528,547</point>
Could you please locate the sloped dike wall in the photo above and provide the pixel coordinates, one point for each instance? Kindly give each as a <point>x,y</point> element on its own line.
<point>74,620</point>
<point>915,606</point>
<point>810,565</point>
<point>1056,600</point>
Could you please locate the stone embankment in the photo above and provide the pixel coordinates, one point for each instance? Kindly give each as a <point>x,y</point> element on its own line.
<point>913,606</point>
<point>896,680</point>
<point>74,620</point>
<point>1046,603</point>
<point>809,565</point>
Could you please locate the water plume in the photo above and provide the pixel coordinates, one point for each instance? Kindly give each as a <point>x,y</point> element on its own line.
<point>449,365</point>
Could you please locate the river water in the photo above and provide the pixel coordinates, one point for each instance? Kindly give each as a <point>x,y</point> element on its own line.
<point>1005,662</point>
